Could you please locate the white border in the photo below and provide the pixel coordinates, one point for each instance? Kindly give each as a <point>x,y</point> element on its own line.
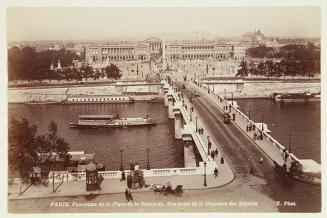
<point>153,3</point>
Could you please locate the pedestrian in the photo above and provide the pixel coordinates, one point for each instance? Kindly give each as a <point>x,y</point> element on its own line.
<point>222,160</point>
<point>130,195</point>
<point>123,176</point>
<point>215,172</point>
<point>254,136</point>
<point>213,155</point>
<point>251,171</point>
<point>127,194</point>
<point>216,152</point>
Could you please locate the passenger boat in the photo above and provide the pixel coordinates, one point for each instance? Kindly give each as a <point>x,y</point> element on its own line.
<point>81,99</point>
<point>296,97</point>
<point>104,121</point>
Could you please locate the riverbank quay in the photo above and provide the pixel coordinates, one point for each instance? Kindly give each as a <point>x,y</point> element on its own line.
<point>223,199</point>
<point>279,154</point>
<point>59,94</point>
<point>114,185</point>
<point>240,88</point>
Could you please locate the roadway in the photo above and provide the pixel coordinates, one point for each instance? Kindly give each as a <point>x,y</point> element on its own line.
<point>240,151</point>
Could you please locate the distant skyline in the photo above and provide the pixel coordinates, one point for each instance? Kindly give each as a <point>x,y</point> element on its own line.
<point>40,23</point>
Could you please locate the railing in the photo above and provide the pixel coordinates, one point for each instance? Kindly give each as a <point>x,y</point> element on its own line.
<point>63,176</point>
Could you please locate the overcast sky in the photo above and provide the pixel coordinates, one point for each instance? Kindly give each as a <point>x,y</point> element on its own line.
<point>102,23</point>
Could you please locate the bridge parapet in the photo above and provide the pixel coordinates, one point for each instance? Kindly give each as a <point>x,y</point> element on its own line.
<point>64,176</point>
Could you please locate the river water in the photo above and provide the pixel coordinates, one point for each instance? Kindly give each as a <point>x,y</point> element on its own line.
<point>302,120</point>
<point>165,151</point>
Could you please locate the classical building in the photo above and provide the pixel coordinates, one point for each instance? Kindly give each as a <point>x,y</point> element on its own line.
<point>156,48</point>
<point>119,52</point>
<point>155,45</point>
<point>198,50</point>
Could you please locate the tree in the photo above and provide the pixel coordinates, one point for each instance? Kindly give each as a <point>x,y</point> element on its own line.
<point>270,69</point>
<point>96,74</point>
<point>76,74</point>
<point>279,69</point>
<point>67,74</point>
<point>243,71</point>
<point>26,150</point>
<point>253,69</point>
<point>113,72</point>
<point>261,68</point>
<point>22,151</point>
<point>86,72</point>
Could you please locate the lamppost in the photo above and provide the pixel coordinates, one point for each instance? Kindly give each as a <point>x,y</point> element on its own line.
<point>53,169</point>
<point>121,159</point>
<point>196,124</point>
<point>209,144</point>
<point>205,174</point>
<point>148,164</point>
<point>262,122</point>
<point>290,143</point>
<point>225,93</point>
<point>249,113</point>
<point>191,116</point>
<point>232,99</point>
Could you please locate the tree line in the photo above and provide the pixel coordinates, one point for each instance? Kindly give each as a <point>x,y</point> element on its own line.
<point>289,60</point>
<point>27,149</point>
<point>29,65</point>
<point>290,51</point>
<point>283,67</point>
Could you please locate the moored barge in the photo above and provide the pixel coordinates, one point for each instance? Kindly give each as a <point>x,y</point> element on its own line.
<point>84,99</point>
<point>110,121</point>
<point>296,97</point>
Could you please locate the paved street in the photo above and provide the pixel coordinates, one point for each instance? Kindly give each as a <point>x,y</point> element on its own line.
<point>236,147</point>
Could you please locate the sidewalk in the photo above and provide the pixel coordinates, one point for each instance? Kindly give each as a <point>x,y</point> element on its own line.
<point>114,186</point>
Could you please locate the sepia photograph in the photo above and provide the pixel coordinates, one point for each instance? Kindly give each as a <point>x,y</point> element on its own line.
<point>150,108</point>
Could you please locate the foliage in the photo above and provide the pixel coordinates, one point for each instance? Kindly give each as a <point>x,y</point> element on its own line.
<point>261,51</point>
<point>283,67</point>
<point>27,150</point>
<point>112,72</point>
<point>295,59</point>
<point>22,151</point>
<point>27,64</point>
<point>86,72</point>
<point>243,71</point>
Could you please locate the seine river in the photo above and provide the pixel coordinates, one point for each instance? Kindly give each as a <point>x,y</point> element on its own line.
<point>165,152</point>
<point>302,120</point>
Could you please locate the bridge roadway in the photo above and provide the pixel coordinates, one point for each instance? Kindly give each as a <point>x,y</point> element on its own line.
<point>240,152</point>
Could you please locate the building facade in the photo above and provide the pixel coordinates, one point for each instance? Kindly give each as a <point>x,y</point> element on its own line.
<point>198,50</point>
<point>121,52</point>
<point>153,48</point>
